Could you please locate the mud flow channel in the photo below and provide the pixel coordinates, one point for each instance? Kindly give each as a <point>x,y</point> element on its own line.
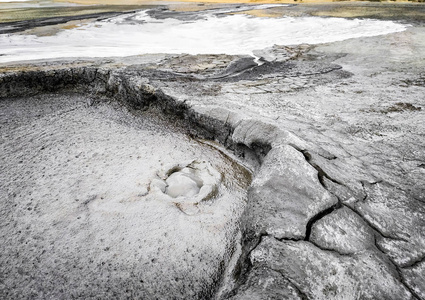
<point>100,201</point>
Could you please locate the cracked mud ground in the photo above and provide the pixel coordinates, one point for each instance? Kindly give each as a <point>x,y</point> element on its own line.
<point>336,209</point>
<point>335,135</point>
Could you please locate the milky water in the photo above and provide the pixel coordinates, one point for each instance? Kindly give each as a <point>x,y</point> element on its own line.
<point>139,33</point>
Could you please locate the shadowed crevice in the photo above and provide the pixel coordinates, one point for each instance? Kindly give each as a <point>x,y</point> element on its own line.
<point>318,217</point>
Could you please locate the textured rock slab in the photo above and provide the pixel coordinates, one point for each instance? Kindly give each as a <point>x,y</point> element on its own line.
<point>415,278</point>
<point>348,172</point>
<point>327,275</point>
<point>285,195</point>
<point>343,231</point>
<point>400,220</point>
<point>264,283</point>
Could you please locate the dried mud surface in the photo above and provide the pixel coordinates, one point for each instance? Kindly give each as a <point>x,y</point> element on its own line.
<point>334,135</point>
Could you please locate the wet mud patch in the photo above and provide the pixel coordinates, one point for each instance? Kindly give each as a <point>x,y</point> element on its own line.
<point>402,106</point>
<point>418,81</point>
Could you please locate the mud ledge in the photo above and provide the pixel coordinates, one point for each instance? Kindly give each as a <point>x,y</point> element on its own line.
<point>137,93</point>
<point>103,84</point>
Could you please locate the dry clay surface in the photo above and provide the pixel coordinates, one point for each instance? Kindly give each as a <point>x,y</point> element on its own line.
<point>337,208</point>
<point>335,135</point>
<point>84,208</point>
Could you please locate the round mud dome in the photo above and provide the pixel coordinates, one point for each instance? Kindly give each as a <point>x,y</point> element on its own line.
<point>189,183</point>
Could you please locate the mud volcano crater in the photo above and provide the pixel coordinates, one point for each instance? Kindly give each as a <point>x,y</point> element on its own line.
<point>106,200</point>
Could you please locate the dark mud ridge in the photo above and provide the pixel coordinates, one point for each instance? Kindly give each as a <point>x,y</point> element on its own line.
<point>304,234</point>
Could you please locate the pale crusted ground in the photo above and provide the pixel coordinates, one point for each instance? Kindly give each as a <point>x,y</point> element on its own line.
<point>335,135</point>
<point>361,128</point>
<point>82,215</point>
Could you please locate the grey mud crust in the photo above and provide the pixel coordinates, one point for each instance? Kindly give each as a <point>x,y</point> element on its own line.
<point>85,211</point>
<point>327,215</point>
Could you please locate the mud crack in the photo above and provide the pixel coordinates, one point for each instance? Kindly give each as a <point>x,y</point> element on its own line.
<point>399,273</point>
<point>318,217</point>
